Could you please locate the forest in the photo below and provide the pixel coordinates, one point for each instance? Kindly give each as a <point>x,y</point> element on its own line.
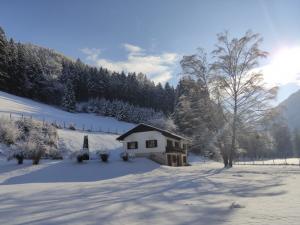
<point>43,74</point>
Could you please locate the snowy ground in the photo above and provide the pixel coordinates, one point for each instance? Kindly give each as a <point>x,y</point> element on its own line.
<point>70,141</point>
<point>17,106</point>
<point>139,191</point>
<point>142,192</point>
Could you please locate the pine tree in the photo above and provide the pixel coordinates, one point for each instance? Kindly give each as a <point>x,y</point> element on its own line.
<point>3,59</point>
<point>68,100</point>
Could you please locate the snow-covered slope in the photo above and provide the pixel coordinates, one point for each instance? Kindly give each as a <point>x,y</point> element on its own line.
<point>69,140</point>
<point>291,110</point>
<point>73,140</point>
<point>19,105</point>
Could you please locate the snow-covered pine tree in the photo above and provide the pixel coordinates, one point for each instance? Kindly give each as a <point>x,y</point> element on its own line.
<point>3,59</point>
<point>68,100</point>
<point>194,109</point>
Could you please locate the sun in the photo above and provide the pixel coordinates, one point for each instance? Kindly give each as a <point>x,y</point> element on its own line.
<point>284,67</point>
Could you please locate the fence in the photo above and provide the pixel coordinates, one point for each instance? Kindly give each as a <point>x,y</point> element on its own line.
<point>268,162</point>
<point>60,124</point>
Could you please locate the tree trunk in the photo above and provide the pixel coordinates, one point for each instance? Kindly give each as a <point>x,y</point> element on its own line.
<point>225,160</point>
<point>233,140</point>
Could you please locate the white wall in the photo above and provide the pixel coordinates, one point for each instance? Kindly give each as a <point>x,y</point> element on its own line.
<point>141,138</point>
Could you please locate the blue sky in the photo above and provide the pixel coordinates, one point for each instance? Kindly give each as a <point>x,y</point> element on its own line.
<point>151,36</point>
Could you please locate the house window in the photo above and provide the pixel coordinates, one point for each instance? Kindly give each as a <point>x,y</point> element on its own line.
<point>151,143</point>
<point>169,143</point>
<point>132,145</point>
<point>177,144</point>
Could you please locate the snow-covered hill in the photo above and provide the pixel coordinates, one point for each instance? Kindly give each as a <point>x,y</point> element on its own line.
<point>68,140</point>
<point>291,110</point>
<point>19,106</point>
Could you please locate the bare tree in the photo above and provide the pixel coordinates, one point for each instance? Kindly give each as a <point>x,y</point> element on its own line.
<point>245,98</point>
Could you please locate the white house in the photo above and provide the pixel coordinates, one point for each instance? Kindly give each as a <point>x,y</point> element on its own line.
<point>159,145</point>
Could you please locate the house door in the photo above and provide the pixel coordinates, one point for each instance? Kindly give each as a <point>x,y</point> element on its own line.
<point>179,160</point>
<point>169,157</point>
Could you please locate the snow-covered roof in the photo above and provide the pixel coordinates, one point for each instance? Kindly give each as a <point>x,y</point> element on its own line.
<point>145,127</point>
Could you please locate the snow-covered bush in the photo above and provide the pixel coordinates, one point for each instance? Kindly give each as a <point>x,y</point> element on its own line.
<point>34,151</point>
<point>104,155</point>
<point>164,123</point>
<point>9,133</point>
<point>54,153</point>
<point>16,153</point>
<point>28,138</point>
<point>82,154</point>
<point>72,126</point>
<point>124,156</point>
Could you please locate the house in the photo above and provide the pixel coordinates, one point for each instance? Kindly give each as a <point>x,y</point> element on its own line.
<point>159,145</point>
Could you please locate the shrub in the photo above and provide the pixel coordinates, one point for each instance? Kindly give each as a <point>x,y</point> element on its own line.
<point>104,157</point>
<point>80,155</point>
<point>28,138</point>
<point>72,126</point>
<point>86,156</point>
<point>54,154</point>
<point>19,158</point>
<point>57,126</point>
<point>80,158</point>
<point>9,133</point>
<point>36,158</point>
<point>34,151</point>
<point>125,156</point>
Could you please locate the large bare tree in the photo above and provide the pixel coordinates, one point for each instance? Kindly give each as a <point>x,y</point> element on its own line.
<point>245,97</point>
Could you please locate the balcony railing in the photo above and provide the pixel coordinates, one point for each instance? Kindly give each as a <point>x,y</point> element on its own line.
<point>173,149</point>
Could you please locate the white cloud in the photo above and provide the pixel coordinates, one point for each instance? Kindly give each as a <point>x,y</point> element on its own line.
<point>284,67</point>
<point>92,53</point>
<point>158,68</point>
<point>132,48</point>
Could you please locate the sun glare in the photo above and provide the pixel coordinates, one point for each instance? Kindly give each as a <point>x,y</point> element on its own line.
<point>284,67</point>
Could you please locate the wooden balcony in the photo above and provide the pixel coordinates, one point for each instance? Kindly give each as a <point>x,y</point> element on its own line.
<point>173,149</point>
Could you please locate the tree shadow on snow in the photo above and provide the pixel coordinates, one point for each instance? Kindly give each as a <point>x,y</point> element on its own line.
<point>88,171</point>
<point>177,195</point>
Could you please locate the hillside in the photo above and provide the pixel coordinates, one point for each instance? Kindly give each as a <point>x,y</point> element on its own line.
<point>291,110</point>
<point>19,106</point>
<point>45,75</point>
<point>69,140</point>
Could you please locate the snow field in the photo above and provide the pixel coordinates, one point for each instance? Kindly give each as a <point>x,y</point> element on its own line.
<point>142,192</point>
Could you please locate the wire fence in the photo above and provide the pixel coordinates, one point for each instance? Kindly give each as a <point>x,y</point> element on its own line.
<point>61,124</point>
